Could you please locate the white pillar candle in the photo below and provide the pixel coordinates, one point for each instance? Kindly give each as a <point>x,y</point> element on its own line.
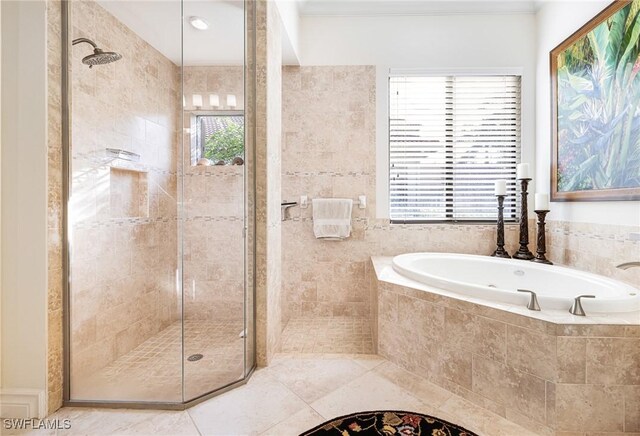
<point>522,171</point>
<point>541,202</point>
<point>501,187</point>
<point>231,100</point>
<point>197,100</point>
<point>214,100</point>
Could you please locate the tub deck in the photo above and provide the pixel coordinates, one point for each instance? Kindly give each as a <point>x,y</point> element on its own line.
<point>385,273</point>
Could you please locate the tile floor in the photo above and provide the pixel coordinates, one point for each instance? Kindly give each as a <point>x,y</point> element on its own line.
<point>153,371</point>
<point>295,393</point>
<point>328,335</point>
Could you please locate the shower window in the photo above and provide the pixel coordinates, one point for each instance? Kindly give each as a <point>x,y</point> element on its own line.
<point>220,137</point>
<point>450,138</point>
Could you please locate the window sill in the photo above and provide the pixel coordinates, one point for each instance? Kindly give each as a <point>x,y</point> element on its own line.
<point>470,222</point>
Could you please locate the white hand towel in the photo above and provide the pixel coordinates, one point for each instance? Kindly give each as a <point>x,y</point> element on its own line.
<point>332,217</point>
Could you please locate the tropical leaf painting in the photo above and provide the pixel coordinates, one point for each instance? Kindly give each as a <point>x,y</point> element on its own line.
<point>598,106</point>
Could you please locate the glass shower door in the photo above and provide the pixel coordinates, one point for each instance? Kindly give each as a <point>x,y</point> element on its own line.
<point>214,189</point>
<point>160,206</point>
<point>124,312</point>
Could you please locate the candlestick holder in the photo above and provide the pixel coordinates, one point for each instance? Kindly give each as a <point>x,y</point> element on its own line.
<point>500,251</point>
<point>541,247</point>
<point>523,252</point>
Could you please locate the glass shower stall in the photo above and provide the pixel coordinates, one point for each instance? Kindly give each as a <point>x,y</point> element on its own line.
<point>158,131</point>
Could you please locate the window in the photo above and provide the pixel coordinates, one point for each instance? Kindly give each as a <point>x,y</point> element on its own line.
<point>220,137</point>
<point>450,139</point>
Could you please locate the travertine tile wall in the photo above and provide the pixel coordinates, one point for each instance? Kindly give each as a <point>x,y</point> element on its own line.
<point>268,184</point>
<point>123,215</point>
<point>544,376</point>
<point>250,90</point>
<point>219,79</point>
<point>329,151</point>
<point>596,248</point>
<point>54,206</point>
<point>329,116</point>
<point>213,210</point>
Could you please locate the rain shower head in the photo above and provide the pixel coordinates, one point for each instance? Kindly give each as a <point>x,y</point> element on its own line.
<point>98,57</point>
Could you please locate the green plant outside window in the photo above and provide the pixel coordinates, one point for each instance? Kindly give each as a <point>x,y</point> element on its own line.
<point>222,137</point>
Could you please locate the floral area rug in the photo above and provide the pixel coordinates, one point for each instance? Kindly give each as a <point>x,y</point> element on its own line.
<point>388,423</point>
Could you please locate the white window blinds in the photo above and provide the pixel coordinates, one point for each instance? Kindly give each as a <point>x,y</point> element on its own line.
<point>450,139</point>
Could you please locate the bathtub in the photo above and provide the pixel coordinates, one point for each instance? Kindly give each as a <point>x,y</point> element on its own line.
<point>497,280</point>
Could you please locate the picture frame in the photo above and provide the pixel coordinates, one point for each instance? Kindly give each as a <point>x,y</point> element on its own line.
<point>595,120</point>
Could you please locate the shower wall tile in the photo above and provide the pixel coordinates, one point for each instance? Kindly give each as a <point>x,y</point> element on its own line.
<point>123,214</point>
<point>220,80</point>
<point>268,155</point>
<point>213,245</point>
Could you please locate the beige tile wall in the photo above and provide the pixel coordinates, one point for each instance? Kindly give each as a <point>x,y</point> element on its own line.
<point>544,376</point>
<point>250,182</point>
<point>329,116</point>
<point>220,79</point>
<point>122,214</point>
<point>54,206</point>
<point>214,211</point>
<point>329,151</point>
<point>596,248</point>
<point>268,184</point>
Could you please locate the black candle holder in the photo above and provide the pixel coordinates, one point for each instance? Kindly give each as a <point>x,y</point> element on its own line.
<point>523,252</point>
<point>541,248</point>
<point>500,251</point>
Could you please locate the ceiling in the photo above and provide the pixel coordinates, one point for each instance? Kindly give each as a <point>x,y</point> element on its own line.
<point>158,23</point>
<point>414,7</point>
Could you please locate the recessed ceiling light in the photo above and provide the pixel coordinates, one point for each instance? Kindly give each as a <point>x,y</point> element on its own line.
<point>199,23</point>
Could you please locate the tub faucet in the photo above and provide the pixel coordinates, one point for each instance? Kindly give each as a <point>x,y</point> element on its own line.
<point>628,265</point>
<point>576,308</point>
<point>533,302</point>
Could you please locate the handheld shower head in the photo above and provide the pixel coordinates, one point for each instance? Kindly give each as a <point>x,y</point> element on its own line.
<point>98,57</point>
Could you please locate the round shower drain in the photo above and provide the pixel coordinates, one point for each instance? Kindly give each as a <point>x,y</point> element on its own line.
<point>195,357</point>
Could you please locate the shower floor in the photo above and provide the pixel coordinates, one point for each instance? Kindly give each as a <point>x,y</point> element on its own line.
<point>153,370</point>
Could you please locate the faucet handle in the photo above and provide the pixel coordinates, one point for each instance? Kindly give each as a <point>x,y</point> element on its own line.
<point>533,302</point>
<point>576,308</point>
<point>628,265</point>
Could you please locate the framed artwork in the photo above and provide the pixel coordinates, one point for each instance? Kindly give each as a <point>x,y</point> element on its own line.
<point>595,108</point>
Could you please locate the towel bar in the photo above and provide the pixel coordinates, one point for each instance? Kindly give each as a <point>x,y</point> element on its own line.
<point>361,202</point>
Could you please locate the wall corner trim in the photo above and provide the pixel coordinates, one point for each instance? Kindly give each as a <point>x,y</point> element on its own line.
<point>22,403</point>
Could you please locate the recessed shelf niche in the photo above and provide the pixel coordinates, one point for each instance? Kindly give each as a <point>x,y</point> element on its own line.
<point>129,193</point>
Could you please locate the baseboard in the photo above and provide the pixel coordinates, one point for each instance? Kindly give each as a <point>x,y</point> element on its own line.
<point>22,403</point>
